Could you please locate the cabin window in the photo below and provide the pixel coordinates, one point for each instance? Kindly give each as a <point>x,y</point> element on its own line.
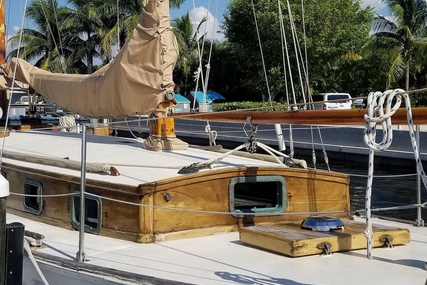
<point>33,200</point>
<point>257,194</point>
<point>93,210</point>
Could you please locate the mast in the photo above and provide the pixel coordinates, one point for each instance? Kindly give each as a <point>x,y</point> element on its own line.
<point>2,35</point>
<point>3,93</point>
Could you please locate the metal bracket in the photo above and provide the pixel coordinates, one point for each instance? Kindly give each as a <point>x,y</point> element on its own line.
<point>326,247</point>
<point>419,222</point>
<point>251,148</point>
<point>37,238</point>
<point>387,240</point>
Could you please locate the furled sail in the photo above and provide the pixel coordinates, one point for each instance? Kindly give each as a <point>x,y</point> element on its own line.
<point>135,82</point>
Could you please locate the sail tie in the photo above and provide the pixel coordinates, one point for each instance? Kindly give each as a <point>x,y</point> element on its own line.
<point>377,103</point>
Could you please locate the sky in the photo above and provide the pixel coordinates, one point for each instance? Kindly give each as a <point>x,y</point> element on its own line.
<point>213,10</point>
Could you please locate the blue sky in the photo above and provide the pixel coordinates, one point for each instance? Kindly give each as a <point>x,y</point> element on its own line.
<point>14,13</point>
<point>14,10</point>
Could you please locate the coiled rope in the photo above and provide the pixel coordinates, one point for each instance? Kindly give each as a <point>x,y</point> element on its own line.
<point>377,102</point>
<point>68,123</point>
<point>212,134</point>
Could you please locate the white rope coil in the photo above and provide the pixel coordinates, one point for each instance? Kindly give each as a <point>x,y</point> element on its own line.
<point>68,123</point>
<point>380,110</point>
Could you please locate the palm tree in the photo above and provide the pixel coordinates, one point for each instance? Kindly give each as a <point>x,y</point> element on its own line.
<point>42,45</point>
<point>188,38</point>
<point>89,30</point>
<point>405,34</point>
<point>184,32</point>
<point>84,31</point>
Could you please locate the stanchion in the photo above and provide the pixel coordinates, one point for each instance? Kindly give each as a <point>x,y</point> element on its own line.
<point>2,240</point>
<point>4,192</point>
<point>80,255</point>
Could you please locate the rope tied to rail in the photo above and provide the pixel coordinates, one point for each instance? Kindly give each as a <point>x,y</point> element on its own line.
<point>377,102</point>
<point>212,134</point>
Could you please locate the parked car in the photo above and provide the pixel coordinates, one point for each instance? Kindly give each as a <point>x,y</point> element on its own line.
<point>338,101</point>
<point>359,103</point>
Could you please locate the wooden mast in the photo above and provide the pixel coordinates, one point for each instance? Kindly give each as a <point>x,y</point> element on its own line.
<point>2,35</point>
<point>3,93</point>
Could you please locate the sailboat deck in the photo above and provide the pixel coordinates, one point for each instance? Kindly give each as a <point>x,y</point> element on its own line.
<point>135,164</point>
<point>223,259</point>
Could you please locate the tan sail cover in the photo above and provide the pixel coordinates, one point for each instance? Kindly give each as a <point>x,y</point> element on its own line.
<point>135,82</point>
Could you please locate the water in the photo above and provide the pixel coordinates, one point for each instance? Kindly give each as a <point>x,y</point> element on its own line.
<point>390,189</point>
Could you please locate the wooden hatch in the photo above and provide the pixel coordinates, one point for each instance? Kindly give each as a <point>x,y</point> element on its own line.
<point>290,239</point>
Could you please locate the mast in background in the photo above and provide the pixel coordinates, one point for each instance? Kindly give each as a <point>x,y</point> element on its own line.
<point>3,93</point>
<point>2,34</point>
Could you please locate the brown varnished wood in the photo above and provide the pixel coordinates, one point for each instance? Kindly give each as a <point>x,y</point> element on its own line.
<point>302,117</point>
<point>208,191</point>
<point>290,239</point>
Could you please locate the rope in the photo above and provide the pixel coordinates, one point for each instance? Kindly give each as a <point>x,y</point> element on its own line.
<point>376,104</point>
<point>68,123</point>
<point>34,262</point>
<point>211,134</point>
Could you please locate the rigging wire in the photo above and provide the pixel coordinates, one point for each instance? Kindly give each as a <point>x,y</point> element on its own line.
<point>55,13</point>
<point>204,86</point>
<point>262,55</point>
<point>13,84</point>
<point>305,50</point>
<point>118,28</point>
<point>199,73</point>
<point>297,49</point>
<point>211,133</point>
<point>53,36</point>
<point>286,62</point>
<point>305,71</point>
<point>208,65</point>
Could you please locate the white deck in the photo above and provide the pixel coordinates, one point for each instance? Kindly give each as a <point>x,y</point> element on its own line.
<point>223,259</point>
<point>135,164</point>
<point>216,259</point>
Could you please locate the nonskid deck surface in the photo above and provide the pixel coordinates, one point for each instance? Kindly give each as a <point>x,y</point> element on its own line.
<point>135,164</point>
<point>223,259</point>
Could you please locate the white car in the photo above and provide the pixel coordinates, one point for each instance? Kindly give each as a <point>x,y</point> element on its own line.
<point>331,101</point>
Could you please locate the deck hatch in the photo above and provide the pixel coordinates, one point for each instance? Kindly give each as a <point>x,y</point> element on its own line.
<point>93,210</point>
<point>292,240</point>
<point>33,201</point>
<point>257,194</point>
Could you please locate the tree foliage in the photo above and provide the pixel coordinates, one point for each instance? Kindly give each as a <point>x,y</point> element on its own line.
<point>43,44</point>
<point>70,38</point>
<point>335,31</point>
<point>405,34</point>
<point>328,45</point>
